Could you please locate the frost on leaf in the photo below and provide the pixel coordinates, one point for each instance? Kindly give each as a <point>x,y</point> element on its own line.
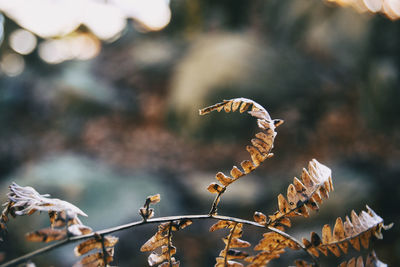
<point>302,195</point>
<point>162,240</point>
<point>228,254</point>
<point>259,149</point>
<point>371,261</point>
<point>104,246</point>
<point>26,201</point>
<point>359,229</point>
<point>272,246</point>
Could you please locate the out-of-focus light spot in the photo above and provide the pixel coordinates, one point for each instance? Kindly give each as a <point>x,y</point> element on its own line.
<point>106,19</point>
<point>79,46</point>
<point>22,41</point>
<point>373,5</point>
<point>153,15</point>
<point>12,64</point>
<point>85,46</point>
<point>45,18</point>
<point>390,8</point>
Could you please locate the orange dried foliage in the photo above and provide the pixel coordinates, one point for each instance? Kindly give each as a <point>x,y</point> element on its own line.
<point>360,228</point>
<point>231,241</point>
<point>163,238</point>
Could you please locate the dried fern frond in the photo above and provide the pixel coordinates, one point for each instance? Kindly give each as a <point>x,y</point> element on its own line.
<point>259,150</point>
<point>26,201</point>
<point>105,251</point>
<point>272,246</point>
<point>371,261</point>
<point>233,240</point>
<point>315,185</point>
<point>360,228</point>
<point>163,239</point>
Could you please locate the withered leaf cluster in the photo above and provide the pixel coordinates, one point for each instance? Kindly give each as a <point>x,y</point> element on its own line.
<point>162,240</point>
<point>371,261</point>
<point>146,212</point>
<point>104,246</point>
<point>261,145</point>
<point>356,230</point>
<point>302,195</point>
<point>228,254</point>
<point>63,215</point>
<point>272,246</point>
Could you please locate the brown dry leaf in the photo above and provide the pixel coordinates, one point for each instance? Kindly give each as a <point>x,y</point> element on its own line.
<point>221,225</point>
<point>303,195</point>
<point>163,238</point>
<point>272,245</point>
<point>96,259</point>
<point>173,262</point>
<point>263,258</point>
<point>260,217</point>
<point>94,243</point>
<point>146,212</point>
<point>155,258</point>
<point>360,227</point>
<point>231,241</point>
<point>223,179</point>
<point>221,262</point>
<point>154,199</point>
<point>371,261</point>
<point>302,263</point>
<point>46,235</point>
<point>261,145</point>
<point>215,188</point>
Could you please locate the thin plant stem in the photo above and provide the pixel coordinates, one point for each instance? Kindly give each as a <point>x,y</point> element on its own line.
<point>169,243</point>
<point>122,227</point>
<point>228,244</point>
<point>103,248</point>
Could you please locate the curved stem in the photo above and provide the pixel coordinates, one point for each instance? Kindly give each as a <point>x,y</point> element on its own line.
<point>118,228</point>
<point>213,210</point>
<point>103,248</point>
<point>228,245</point>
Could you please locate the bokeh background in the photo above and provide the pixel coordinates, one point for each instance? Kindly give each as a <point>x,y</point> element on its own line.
<point>99,106</point>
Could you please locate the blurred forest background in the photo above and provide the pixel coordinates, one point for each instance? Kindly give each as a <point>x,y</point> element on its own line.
<point>99,106</point>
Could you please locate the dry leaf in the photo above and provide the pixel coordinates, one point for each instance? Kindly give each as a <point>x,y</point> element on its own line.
<point>302,195</point>
<point>46,235</point>
<point>259,150</point>
<point>163,238</point>
<point>94,243</point>
<point>371,261</point>
<point>96,259</point>
<point>360,227</point>
<point>26,201</point>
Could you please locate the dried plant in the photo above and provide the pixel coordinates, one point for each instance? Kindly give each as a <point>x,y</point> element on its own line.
<point>303,195</point>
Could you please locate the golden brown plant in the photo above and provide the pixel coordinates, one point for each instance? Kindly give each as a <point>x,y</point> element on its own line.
<point>303,195</point>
